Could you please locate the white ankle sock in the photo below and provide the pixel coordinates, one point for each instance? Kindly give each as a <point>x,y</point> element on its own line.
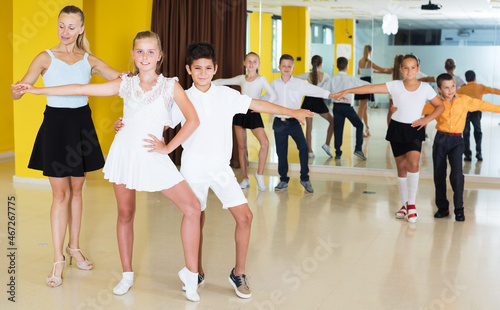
<point>412,187</point>
<point>190,280</point>
<point>260,181</point>
<point>125,284</point>
<point>403,190</point>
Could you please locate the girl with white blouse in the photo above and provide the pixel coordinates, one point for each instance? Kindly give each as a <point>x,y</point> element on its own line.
<point>317,105</point>
<point>252,84</point>
<point>405,131</point>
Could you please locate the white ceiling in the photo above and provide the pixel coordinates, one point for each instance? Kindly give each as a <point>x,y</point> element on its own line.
<point>453,14</point>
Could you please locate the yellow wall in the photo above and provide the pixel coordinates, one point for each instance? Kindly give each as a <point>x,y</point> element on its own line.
<point>266,42</point>
<point>111,27</point>
<point>341,36</point>
<point>296,25</point>
<point>6,106</point>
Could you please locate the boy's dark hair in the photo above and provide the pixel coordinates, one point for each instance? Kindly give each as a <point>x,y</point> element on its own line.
<point>199,50</point>
<point>286,57</point>
<point>410,56</point>
<point>470,76</point>
<point>342,63</point>
<point>443,77</point>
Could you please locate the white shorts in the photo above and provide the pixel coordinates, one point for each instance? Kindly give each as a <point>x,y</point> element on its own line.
<point>223,183</point>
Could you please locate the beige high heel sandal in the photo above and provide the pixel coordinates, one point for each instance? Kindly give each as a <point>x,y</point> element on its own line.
<point>84,265</point>
<point>56,280</point>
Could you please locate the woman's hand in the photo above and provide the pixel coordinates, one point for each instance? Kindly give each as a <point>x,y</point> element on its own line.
<point>23,88</point>
<point>118,124</point>
<point>156,145</point>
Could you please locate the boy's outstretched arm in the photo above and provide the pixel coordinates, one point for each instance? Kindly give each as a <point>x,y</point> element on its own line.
<point>271,108</point>
<point>366,89</point>
<point>105,89</point>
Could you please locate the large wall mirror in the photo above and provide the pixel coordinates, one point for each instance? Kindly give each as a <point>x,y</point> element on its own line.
<point>468,32</point>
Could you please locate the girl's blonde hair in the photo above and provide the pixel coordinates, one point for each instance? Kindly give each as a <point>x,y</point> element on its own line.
<point>149,35</point>
<point>316,61</point>
<point>366,52</point>
<point>81,41</point>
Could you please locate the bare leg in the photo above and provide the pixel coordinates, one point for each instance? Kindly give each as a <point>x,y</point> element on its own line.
<point>241,138</point>
<point>75,217</point>
<point>59,211</point>
<point>243,217</point>
<point>309,127</point>
<point>202,223</point>
<point>186,201</point>
<point>363,115</point>
<point>260,134</point>
<point>125,199</point>
<point>408,162</point>
<point>329,132</point>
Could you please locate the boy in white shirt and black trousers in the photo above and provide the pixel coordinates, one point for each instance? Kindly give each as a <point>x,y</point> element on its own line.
<point>290,92</point>
<point>344,109</point>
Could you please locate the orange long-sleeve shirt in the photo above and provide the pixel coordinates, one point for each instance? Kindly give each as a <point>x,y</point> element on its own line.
<point>474,90</point>
<point>453,118</point>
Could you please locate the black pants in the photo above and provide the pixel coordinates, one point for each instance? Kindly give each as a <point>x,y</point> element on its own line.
<point>475,119</point>
<point>282,129</point>
<point>342,111</point>
<point>451,147</point>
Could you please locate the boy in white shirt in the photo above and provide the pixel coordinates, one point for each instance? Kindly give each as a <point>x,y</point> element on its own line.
<point>344,109</point>
<point>207,152</point>
<point>290,91</point>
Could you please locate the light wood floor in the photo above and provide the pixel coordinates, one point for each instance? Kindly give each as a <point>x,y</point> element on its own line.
<point>339,248</point>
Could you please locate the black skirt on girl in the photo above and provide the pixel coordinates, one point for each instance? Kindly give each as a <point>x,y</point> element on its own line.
<point>66,143</point>
<point>404,138</point>
<point>370,97</point>
<point>314,104</point>
<point>250,120</point>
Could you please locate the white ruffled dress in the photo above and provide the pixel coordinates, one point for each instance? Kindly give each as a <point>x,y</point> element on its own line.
<point>129,162</point>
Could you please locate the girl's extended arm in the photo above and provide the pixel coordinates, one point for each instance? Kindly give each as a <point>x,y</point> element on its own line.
<point>269,90</point>
<point>231,81</point>
<point>271,108</point>
<point>192,122</point>
<point>366,89</point>
<point>105,89</point>
<point>379,69</point>
<point>439,108</point>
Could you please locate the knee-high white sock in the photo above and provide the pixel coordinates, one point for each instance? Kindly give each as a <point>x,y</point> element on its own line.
<point>403,190</point>
<point>412,187</point>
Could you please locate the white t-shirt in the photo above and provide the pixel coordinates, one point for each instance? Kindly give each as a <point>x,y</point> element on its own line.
<point>409,103</point>
<point>324,83</point>
<point>252,89</point>
<point>211,144</point>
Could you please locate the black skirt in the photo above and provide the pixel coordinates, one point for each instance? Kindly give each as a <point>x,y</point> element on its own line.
<point>250,120</point>
<point>404,138</point>
<point>370,97</point>
<point>66,143</point>
<point>316,105</point>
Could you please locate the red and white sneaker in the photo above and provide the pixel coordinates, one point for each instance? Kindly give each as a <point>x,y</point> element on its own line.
<point>401,214</point>
<point>412,215</point>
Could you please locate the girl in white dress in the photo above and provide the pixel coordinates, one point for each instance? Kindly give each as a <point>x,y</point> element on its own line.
<point>131,165</point>
<point>405,131</point>
<point>251,85</point>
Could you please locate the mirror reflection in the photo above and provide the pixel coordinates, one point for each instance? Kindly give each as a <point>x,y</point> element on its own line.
<point>471,43</point>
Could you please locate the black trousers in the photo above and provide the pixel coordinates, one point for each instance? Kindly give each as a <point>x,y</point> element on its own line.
<point>475,119</point>
<point>451,148</point>
<point>340,113</point>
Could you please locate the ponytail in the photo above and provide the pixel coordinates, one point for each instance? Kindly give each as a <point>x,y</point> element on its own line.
<point>316,61</point>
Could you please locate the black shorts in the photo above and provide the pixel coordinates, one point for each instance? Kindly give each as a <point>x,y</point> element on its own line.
<point>250,120</point>
<point>66,143</point>
<point>399,149</point>
<point>316,105</point>
<point>370,97</point>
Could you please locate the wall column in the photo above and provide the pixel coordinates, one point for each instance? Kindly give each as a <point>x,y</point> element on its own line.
<point>296,31</point>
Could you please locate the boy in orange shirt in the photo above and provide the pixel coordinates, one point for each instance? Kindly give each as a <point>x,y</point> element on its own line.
<point>449,143</point>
